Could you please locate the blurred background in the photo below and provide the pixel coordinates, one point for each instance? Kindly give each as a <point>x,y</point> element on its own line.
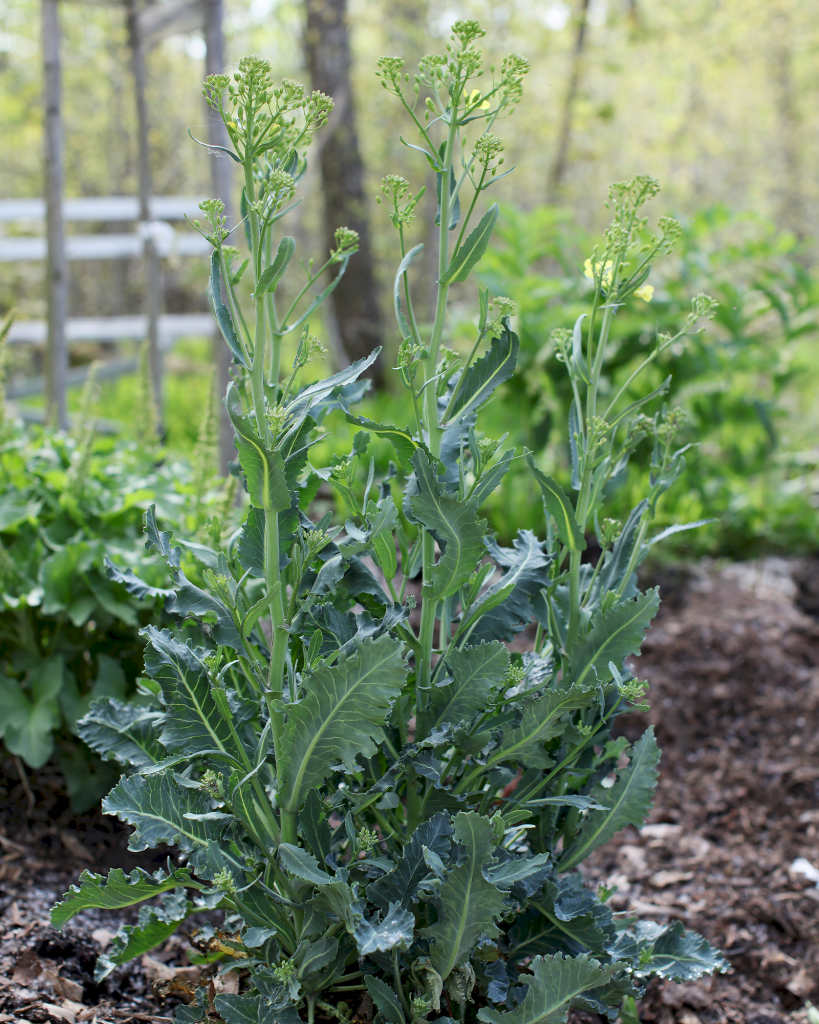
<point>717,100</point>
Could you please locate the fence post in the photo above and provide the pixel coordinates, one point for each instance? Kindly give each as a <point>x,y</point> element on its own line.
<point>153,270</point>
<point>56,264</point>
<point>221,180</point>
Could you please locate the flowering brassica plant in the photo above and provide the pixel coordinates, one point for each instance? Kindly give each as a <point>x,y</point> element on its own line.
<point>390,807</point>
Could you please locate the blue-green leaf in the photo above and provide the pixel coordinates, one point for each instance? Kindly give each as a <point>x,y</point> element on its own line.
<point>344,707</point>
<point>122,732</point>
<point>453,524</point>
<point>222,313</point>
<point>118,890</point>
<point>154,925</point>
<point>271,276</point>
<point>473,248</point>
<point>264,468</point>
<point>560,508</point>
<point>676,953</point>
<point>628,801</point>
<point>554,982</point>
<point>468,906</point>
<point>612,637</point>
<point>486,374</point>
<point>403,325</point>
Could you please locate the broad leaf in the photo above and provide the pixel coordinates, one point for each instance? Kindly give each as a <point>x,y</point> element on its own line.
<point>613,637</point>
<point>554,982</point>
<point>402,440</point>
<point>343,708</point>
<point>527,572</point>
<point>133,584</point>
<point>263,467</point>
<point>401,884</point>
<point>467,904</point>
<point>158,809</point>
<point>154,925</point>
<point>473,248</point>
<point>453,524</point>
<point>676,953</point>
<point>516,869</point>
<point>541,721</point>
<point>385,999</point>
<point>32,714</point>
<point>235,1009</point>
<point>629,801</point>
<point>396,929</point>
<point>486,374</point>
<point>316,393</point>
<point>192,720</point>
<point>302,864</point>
<point>122,732</point>
<point>117,890</point>
<point>476,672</point>
<point>560,508</point>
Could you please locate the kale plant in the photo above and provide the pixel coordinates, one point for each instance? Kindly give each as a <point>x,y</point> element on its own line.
<point>390,807</point>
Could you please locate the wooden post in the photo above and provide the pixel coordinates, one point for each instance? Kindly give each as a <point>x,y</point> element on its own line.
<point>221,179</point>
<point>153,270</point>
<point>56,265</point>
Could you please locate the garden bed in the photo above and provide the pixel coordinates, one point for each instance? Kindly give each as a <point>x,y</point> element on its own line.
<point>733,662</point>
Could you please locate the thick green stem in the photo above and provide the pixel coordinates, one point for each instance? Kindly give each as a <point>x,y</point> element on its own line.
<point>574,600</point>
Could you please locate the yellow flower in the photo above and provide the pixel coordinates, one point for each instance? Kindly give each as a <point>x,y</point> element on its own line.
<point>645,293</point>
<point>605,277</point>
<point>473,98</point>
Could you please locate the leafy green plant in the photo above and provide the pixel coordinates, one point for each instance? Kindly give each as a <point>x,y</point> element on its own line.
<point>389,807</point>
<point>734,382</point>
<point>68,632</point>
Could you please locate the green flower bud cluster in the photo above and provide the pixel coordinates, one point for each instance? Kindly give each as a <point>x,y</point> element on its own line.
<point>367,839</point>
<point>487,147</point>
<point>213,209</point>
<point>346,240</point>
<point>395,188</point>
<point>410,356</point>
<point>633,691</point>
<point>704,307</point>
<point>671,422</point>
<point>277,418</point>
<point>389,71</point>
<point>513,69</point>
<point>317,110</point>
<point>278,188</point>
<point>224,881</point>
<point>284,972</point>
<point>467,31</point>
<point>211,783</point>
<point>502,307</point>
<point>308,347</point>
<point>515,676</point>
<point>611,530</point>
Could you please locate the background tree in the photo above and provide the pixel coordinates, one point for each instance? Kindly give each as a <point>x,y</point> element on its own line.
<point>357,325</point>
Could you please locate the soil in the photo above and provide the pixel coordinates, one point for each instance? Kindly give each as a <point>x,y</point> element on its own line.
<point>733,663</point>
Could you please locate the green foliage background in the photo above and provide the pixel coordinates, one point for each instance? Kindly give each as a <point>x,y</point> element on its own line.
<point>719,103</point>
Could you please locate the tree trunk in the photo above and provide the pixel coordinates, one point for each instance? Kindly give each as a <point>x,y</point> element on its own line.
<point>153,268</point>
<point>354,304</point>
<point>558,171</point>
<point>56,267</point>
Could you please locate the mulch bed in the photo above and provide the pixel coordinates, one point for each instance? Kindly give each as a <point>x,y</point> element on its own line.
<point>733,662</point>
